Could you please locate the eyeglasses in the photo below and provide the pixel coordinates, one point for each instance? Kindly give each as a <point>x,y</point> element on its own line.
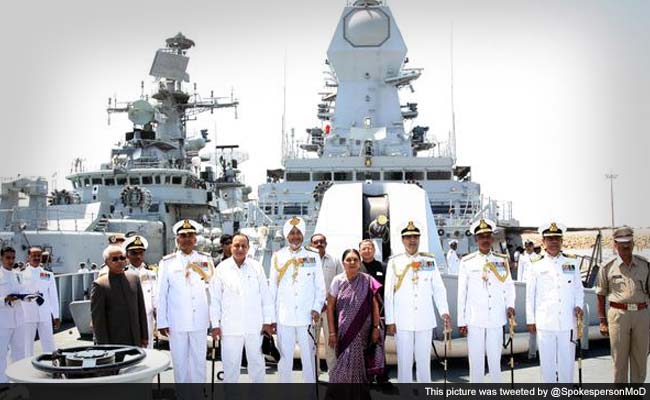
<point>319,242</point>
<point>120,258</point>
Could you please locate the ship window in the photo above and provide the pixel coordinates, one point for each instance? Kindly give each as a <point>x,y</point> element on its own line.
<point>121,181</point>
<point>109,181</point>
<point>168,180</point>
<point>75,184</point>
<point>96,181</point>
<point>270,209</point>
<point>365,175</point>
<point>393,176</point>
<point>343,176</point>
<point>322,176</point>
<point>147,180</point>
<point>157,179</point>
<point>440,208</point>
<point>134,180</point>
<point>294,209</point>
<point>414,175</point>
<point>154,208</point>
<point>297,176</point>
<point>177,180</point>
<point>438,175</point>
<point>86,182</point>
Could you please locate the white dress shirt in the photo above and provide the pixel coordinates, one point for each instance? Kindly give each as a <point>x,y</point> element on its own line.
<point>241,301</point>
<point>11,316</point>
<point>38,280</point>
<point>452,262</point>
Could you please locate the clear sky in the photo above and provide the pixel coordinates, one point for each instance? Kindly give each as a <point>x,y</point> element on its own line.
<point>550,95</point>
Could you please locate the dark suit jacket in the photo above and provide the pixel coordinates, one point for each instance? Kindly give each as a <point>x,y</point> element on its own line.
<point>117,309</point>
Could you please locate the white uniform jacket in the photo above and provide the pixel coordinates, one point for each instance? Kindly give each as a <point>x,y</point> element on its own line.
<point>297,285</point>
<point>11,316</point>
<point>483,297</point>
<point>553,290</point>
<point>38,280</point>
<point>149,283</point>
<point>182,298</point>
<point>241,300</point>
<point>453,262</point>
<point>409,304</point>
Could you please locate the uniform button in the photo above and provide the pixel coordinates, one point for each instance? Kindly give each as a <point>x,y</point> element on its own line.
<point>416,308</point>
<point>489,296</point>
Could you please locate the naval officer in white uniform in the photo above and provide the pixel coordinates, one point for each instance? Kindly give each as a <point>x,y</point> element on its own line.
<point>35,279</point>
<point>183,313</point>
<point>241,308</point>
<point>452,258</point>
<point>12,319</point>
<point>554,299</point>
<point>298,292</point>
<point>413,284</point>
<point>135,247</point>
<point>486,298</point>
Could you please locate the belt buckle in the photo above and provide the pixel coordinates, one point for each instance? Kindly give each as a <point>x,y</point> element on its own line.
<point>632,307</point>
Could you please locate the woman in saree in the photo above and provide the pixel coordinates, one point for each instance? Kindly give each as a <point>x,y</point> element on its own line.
<point>354,328</point>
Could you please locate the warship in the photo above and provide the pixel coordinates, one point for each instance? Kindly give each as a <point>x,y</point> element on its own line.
<point>368,169</point>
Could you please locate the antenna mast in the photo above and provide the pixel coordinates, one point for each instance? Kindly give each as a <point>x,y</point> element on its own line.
<point>284,108</point>
<point>452,134</point>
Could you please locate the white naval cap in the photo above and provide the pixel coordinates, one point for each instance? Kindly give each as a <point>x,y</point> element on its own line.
<point>550,229</point>
<point>295,222</point>
<point>136,242</point>
<point>453,241</point>
<point>483,225</point>
<point>186,226</point>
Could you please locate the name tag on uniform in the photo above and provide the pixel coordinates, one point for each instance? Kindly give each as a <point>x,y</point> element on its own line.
<point>379,273</point>
<point>44,276</point>
<point>568,268</point>
<point>428,265</point>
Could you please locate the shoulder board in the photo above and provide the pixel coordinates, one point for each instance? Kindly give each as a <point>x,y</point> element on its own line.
<point>426,254</point>
<point>536,258</point>
<point>569,255</point>
<point>169,256</point>
<point>469,256</point>
<point>500,255</point>
<point>395,255</point>
<point>203,253</point>
<point>153,267</point>
<point>311,249</point>
<point>642,259</point>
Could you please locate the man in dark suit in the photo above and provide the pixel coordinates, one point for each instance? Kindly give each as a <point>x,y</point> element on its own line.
<point>117,303</point>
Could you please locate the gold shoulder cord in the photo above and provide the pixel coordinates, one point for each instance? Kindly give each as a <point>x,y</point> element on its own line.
<point>194,267</point>
<point>493,268</point>
<point>285,267</point>
<point>400,277</point>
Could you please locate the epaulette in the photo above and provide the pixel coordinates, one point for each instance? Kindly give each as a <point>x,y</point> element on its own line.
<point>423,254</point>
<point>500,255</point>
<point>569,255</point>
<point>395,255</point>
<point>153,267</point>
<point>536,258</point>
<point>168,256</point>
<point>642,258</point>
<point>311,249</point>
<point>469,256</point>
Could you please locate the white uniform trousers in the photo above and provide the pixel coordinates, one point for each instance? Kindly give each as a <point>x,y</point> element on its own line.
<point>150,326</point>
<point>330,353</point>
<point>410,343</point>
<point>45,335</point>
<point>556,356</point>
<point>11,339</point>
<point>287,336</point>
<point>231,351</point>
<point>188,355</point>
<point>482,341</point>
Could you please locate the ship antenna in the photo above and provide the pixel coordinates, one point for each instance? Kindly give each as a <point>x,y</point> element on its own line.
<point>284,107</point>
<point>452,134</point>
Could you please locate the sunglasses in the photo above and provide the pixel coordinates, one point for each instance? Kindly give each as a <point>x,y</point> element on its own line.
<point>120,258</point>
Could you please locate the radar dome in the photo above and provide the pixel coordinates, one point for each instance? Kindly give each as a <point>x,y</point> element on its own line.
<point>367,27</point>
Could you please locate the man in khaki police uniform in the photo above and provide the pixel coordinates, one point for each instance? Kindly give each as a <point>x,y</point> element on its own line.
<point>135,247</point>
<point>554,298</point>
<point>486,296</point>
<point>413,284</point>
<point>183,313</point>
<point>624,281</point>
